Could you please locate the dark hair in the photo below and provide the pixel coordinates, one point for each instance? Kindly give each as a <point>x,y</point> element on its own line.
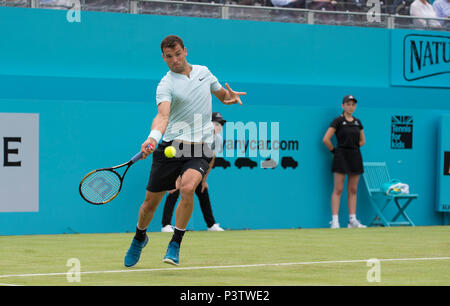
<point>171,41</point>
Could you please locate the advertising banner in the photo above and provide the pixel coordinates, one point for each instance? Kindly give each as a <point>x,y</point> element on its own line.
<point>443,173</point>
<point>420,60</point>
<point>19,162</point>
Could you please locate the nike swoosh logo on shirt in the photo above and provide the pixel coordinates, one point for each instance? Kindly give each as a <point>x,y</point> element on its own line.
<point>201,79</point>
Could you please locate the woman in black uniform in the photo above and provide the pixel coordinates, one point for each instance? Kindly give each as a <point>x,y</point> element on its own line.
<point>347,159</point>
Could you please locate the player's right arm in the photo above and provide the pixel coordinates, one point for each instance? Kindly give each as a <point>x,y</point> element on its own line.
<point>159,124</point>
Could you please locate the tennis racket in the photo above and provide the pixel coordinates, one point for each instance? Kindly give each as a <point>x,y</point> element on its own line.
<point>101,186</point>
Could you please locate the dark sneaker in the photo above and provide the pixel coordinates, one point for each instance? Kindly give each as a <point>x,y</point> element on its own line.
<point>134,252</point>
<point>172,254</point>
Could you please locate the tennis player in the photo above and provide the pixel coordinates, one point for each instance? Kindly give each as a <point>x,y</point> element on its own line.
<point>347,159</point>
<point>184,113</point>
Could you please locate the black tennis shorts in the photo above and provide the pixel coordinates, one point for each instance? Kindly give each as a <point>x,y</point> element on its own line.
<point>165,171</point>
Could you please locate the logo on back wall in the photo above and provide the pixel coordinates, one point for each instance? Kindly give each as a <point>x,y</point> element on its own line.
<point>401,132</point>
<point>420,60</point>
<point>425,56</point>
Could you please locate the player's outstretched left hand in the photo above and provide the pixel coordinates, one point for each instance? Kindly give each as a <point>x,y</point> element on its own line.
<point>233,96</point>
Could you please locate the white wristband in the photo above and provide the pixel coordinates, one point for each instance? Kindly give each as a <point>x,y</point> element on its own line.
<point>156,135</point>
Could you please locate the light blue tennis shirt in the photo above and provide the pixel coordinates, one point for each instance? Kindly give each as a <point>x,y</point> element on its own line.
<point>190,104</point>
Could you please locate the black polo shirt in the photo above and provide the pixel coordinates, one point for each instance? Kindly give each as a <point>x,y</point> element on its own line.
<point>347,132</point>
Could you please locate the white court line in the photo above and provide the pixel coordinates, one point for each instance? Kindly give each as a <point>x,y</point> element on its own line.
<point>228,267</point>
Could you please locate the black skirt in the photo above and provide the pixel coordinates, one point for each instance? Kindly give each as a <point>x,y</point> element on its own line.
<point>347,161</point>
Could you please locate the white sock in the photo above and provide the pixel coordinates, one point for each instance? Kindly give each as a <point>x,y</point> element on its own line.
<point>352,217</point>
<point>335,218</point>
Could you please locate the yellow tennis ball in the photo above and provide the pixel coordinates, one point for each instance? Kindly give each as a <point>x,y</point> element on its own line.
<point>170,151</point>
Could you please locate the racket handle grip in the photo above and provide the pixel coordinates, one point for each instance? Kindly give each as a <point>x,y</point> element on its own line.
<point>138,156</point>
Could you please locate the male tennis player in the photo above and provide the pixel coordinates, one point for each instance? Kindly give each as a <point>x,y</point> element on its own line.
<point>184,113</point>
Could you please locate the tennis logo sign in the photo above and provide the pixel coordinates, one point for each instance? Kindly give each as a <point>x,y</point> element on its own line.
<point>401,132</point>
<point>101,186</point>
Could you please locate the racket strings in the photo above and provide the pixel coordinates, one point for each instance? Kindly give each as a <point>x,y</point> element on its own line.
<point>100,186</point>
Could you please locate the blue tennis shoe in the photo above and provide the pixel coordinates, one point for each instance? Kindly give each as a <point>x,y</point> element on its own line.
<point>172,254</point>
<point>134,252</point>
